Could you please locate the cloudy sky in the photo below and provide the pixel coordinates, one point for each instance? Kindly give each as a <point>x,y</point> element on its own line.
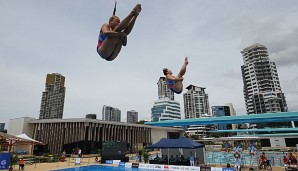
<point>38,37</point>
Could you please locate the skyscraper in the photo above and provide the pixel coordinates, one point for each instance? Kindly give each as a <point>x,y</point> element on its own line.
<point>262,90</point>
<point>132,116</point>
<point>111,114</point>
<point>165,109</point>
<point>52,102</point>
<point>196,102</point>
<point>164,90</point>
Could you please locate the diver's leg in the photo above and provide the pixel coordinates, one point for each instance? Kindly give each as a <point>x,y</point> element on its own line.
<point>116,51</point>
<point>183,68</point>
<point>125,22</point>
<point>108,46</point>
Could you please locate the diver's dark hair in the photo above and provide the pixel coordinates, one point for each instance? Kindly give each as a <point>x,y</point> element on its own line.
<point>165,71</point>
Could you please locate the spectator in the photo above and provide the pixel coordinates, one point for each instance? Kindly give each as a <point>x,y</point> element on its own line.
<point>172,159</point>
<point>237,151</point>
<point>191,159</point>
<point>237,164</point>
<point>177,158</point>
<point>286,161</point>
<point>227,147</point>
<point>79,153</point>
<point>21,164</point>
<point>157,158</point>
<point>182,157</point>
<point>263,160</point>
<point>292,158</point>
<point>252,151</point>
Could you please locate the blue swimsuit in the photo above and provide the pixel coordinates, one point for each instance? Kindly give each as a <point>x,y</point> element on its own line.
<point>171,86</point>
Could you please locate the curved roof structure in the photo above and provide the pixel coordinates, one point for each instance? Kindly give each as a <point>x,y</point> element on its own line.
<point>255,118</point>
<point>258,130</point>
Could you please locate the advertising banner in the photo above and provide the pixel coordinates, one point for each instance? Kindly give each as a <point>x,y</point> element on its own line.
<point>4,161</point>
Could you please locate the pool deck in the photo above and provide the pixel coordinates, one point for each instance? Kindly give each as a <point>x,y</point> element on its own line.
<point>70,164</point>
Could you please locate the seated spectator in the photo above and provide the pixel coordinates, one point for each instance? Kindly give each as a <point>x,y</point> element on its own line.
<point>157,158</point>
<point>237,151</point>
<point>163,158</point>
<point>166,157</point>
<point>178,158</point>
<point>292,158</point>
<point>182,157</point>
<point>286,161</point>
<point>263,160</point>
<point>172,159</point>
<point>252,151</point>
<point>227,146</point>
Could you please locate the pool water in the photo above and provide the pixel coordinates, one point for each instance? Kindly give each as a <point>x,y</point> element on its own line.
<point>102,168</point>
<point>276,158</point>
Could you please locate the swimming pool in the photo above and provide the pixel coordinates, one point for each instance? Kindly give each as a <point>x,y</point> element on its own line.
<point>224,158</point>
<point>101,167</point>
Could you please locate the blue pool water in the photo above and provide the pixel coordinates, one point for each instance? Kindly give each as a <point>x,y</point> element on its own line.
<point>102,168</point>
<point>224,158</point>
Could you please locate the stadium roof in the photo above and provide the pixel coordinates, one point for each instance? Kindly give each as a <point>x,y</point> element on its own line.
<point>253,118</point>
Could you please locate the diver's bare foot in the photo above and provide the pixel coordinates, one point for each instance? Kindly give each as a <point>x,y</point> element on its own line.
<point>186,60</point>
<point>137,9</point>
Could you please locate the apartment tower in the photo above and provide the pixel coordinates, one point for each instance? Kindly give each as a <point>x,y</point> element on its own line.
<point>111,114</point>
<point>132,116</point>
<point>52,102</point>
<point>262,90</point>
<point>164,90</point>
<point>196,102</point>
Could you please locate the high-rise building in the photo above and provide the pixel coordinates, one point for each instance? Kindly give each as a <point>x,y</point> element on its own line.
<point>196,102</point>
<point>219,111</point>
<point>132,116</point>
<point>52,102</point>
<point>262,90</point>
<point>164,90</point>
<point>111,114</point>
<point>2,126</point>
<point>165,109</point>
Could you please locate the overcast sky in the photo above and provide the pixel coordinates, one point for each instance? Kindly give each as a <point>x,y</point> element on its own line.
<point>38,37</point>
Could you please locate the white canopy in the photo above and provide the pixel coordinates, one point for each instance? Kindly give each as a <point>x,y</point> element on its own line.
<point>26,137</point>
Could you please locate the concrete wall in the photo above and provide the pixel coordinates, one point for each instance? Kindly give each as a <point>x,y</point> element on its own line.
<point>157,134</point>
<point>19,126</point>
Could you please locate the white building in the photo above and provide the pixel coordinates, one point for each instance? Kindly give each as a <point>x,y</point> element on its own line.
<point>164,90</point>
<point>19,126</point>
<point>196,102</point>
<point>165,109</point>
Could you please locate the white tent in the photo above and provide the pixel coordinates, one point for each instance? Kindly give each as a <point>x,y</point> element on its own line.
<point>25,146</point>
<point>33,141</point>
